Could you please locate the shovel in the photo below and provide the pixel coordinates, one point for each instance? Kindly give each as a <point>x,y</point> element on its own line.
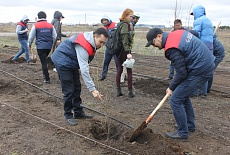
<point>138,131</point>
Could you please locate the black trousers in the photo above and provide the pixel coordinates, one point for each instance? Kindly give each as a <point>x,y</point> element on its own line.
<point>71,89</point>
<point>43,54</point>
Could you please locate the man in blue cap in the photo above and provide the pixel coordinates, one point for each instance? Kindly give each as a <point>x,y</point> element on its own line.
<point>194,65</point>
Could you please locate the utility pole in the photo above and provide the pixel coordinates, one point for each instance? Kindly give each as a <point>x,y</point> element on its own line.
<point>85,18</point>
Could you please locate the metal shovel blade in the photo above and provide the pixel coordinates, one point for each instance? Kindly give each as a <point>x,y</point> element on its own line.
<point>138,131</point>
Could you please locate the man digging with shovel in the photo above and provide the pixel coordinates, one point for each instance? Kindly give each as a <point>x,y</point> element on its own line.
<point>194,66</point>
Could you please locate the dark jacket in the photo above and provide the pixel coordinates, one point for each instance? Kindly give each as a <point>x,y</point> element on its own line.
<point>57,24</point>
<point>218,51</point>
<point>132,32</point>
<point>188,54</point>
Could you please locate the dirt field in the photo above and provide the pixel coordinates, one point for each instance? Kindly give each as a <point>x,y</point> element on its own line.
<point>32,121</point>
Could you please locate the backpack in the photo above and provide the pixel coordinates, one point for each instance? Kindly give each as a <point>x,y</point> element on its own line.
<point>114,44</point>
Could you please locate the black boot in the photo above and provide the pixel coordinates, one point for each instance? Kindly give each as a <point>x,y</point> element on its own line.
<point>131,94</point>
<point>119,93</point>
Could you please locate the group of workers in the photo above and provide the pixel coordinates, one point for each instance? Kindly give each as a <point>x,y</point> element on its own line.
<point>193,54</point>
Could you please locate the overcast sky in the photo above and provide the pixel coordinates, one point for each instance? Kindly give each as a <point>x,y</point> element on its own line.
<point>154,12</point>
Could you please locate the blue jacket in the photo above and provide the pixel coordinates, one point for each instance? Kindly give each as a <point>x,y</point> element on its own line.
<point>111,25</point>
<point>218,51</point>
<point>203,26</point>
<point>65,55</point>
<point>188,54</point>
<point>23,36</point>
<point>75,53</point>
<point>44,32</point>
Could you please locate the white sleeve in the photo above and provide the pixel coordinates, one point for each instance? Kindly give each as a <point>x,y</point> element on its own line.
<point>31,36</point>
<point>83,59</point>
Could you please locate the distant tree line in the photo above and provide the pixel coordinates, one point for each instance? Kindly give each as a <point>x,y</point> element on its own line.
<point>224,27</point>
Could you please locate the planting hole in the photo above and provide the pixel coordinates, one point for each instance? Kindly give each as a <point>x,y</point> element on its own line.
<point>105,130</point>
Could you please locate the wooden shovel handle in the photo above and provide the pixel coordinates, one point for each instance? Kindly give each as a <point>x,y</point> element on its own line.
<point>157,108</point>
<point>217,27</point>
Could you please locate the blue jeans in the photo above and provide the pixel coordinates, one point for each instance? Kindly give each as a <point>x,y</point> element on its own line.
<point>108,57</point>
<point>203,90</point>
<point>207,86</point>
<point>171,70</point>
<point>211,80</point>
<point>181,103</point>
<point>71,89</point>
<point>24,49</point>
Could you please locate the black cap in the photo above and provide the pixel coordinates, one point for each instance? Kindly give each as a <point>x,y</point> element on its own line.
<point>191,13</point>
<point>152,34</point>
<point>41,15</point>
<point>62,15</point>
